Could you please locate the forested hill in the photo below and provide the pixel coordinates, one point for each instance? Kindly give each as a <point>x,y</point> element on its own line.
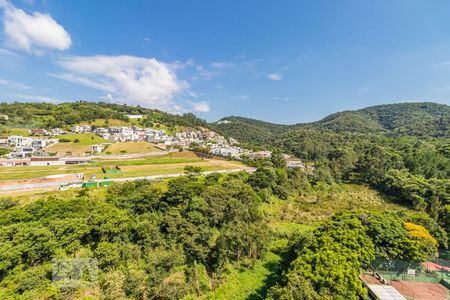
<point>248,130</point>
<point>416,119</point>
<point>47,115</point>
<point>403,119</point>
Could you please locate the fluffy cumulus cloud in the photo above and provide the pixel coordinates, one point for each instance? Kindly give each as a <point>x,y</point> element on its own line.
<point>275,76</point>
<point>32,32</point>
<point>133,80</point>
<point>201,107</point>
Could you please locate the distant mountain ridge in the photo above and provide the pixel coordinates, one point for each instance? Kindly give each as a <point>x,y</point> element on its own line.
<point>417,119</point>
<point>409,119</point>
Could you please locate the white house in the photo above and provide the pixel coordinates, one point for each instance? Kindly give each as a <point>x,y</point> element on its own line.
<point>57,131</point>
<point>226,151</point>
<point>21,152</point>
<point>97,148</point>
<point>19,141</point>
<point>87,128</point>
<point>126,130</point>
<point>295,164</point>
<point>113,130</point>
<point>77,129</point>
<point>101,130</point>
<point>39,144</point>
<point>134,116</point>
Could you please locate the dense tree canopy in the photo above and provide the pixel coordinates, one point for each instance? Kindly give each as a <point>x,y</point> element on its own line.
<point>147,238</point>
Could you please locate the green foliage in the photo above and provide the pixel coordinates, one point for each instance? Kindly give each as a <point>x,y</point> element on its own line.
<point>328,262</point>
<point>4,151</point>
<point>155,240</point>
<point>192,170</point>
<point>328,265</point>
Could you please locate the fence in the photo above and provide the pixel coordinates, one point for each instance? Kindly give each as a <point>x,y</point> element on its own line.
<point>432,271</point>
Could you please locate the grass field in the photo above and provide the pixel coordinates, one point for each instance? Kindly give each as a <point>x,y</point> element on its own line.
<point>130,147</point>
<point>85,140</point>
<point>318,206</point>
<point>19,131</point>
<point>168,164</point>
<point>246,283</point>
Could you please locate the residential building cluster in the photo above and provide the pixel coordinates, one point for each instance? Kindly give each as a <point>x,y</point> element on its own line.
<point>25,146</point>
<point>30,151</point>
<point>184,139</point>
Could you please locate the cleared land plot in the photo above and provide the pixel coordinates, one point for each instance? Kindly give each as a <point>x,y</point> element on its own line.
<point>130,147</point>
<point>19,131</point>
<point>315,207</point>
<point>82,146</point>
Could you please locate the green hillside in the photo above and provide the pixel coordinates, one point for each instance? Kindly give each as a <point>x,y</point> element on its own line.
<point>415,119</point>
<point>47,115</point>
<point>402,119</point>
<point>248,130</point>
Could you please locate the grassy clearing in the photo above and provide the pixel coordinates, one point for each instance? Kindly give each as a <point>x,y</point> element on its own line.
<point>247,283</point>
<point>130,147</point>
<point>30,196</point>
<point>318,206</point>
<point>81,147</point>
<point>19,131</point>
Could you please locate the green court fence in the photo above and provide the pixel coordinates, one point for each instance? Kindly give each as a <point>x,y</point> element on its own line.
<point>433,271</point>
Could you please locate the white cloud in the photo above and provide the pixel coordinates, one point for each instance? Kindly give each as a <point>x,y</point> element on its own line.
<point>213,69</point>
<point>275,76</point>
<point>201,107</point>
<point>33,33</point>
<point>222,65</point>
<point>363,90</point>
<point>4,52</point>
<point>204,73</point>
<point>14,85</point>
<point>136,80</point>
<point>281,98</point>
<point>107,97</point>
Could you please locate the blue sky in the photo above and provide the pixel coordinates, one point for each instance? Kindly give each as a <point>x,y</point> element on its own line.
<point>281,61</point>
